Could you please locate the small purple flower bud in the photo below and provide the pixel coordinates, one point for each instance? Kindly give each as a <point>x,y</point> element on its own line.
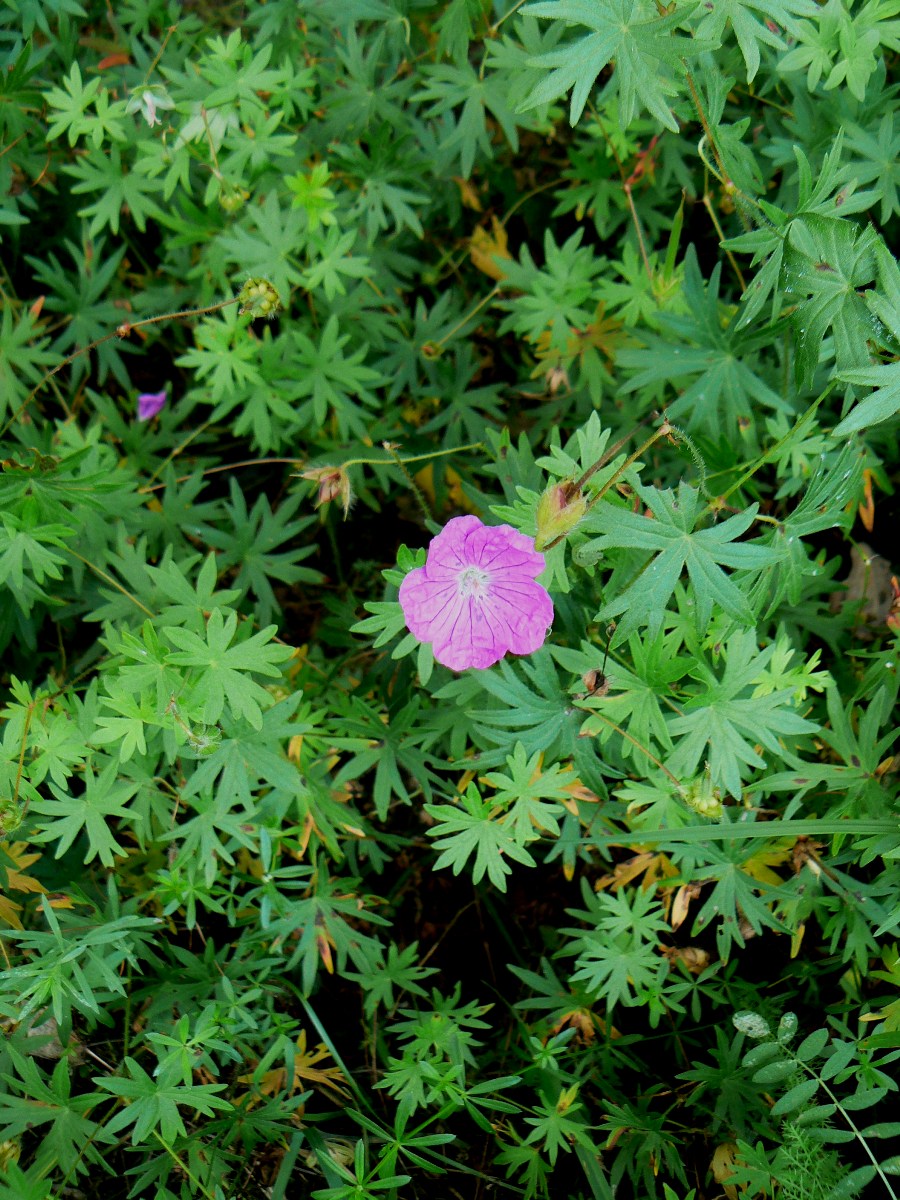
<point>150,403</point>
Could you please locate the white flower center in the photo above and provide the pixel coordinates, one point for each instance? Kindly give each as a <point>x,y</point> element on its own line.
<point>473,582</point>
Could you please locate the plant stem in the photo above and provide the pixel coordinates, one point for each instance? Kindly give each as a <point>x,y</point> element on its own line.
<point>121,331</point>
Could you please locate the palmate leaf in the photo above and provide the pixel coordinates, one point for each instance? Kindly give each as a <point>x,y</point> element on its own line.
<point>727,723</point>
<point>637,696</point>
<point>617,953</point>
<point>212,836</point>
<point>712,351</point>
<point>877,160</point>
<point>226,667</point>
<point>23,358</point>
<point>737,894</point>
<point>227,358</point>
<point>472,828</point>
<point>831,261</point>
<point>459,91</point>
<point>154,1103</point>
<point>255,541</point>
<point>678,546</point>
<point>247,760</point>
<point>531,793</point>
<point>646,50</point>
<point>333,380</point>
<point>752,22</point>
<point>272,248</point>
<point>104,796</point>
<point>118,191</point>
<point>879,405</point>
<point>525,701</point>
<point>71,1138</point>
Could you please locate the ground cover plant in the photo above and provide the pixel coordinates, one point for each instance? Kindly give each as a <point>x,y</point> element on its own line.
<point>448,627</point>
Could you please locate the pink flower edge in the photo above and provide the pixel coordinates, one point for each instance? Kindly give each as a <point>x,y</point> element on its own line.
<point>476,598</point>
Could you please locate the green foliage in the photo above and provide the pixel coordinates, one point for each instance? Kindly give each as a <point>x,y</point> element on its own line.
<point>287,906</point>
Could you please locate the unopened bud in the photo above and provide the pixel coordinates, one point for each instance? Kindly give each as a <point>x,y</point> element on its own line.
<point>559,510</point>
<point>259,298</point>
<point>334,484</point>
<point>703,798</point>
<point>231,197</point>
<point>10,817</point>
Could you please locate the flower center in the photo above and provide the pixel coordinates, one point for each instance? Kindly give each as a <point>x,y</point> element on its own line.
<point>473,582</point>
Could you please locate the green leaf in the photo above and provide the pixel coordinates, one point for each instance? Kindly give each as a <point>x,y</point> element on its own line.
<point>474,828</point>
<point>119,191</point>
<point>776,1072</point>
<point>706,356</point>
<point>798,1095</point>
<point>71,104</point>
<point>153,1104</point>
<point>813,1045</point>
<point>879,405</point>
<point>678,546</point>
<point>647,53</point>
<point>104,796</point>
<point>728,720</point>
<point>864,1098</point>
<point>459,92</point>
<point>71,1141</point>
<point>332,262</point>
<point>226,668</point>
<point>752,22</point>
<point>525,792</point>
<point>829,260</point>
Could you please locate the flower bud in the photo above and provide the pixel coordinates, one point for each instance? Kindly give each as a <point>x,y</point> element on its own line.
<point>334,484</point>
<point>702,798</point>
<point>10,817</point>
<point>559,510</point>
<point>232,197</point>
<point>259,298</point>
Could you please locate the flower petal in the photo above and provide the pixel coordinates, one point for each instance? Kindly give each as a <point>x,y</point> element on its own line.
<point>150,403</point>
<point>466,639</point>
<point>427,603</point>
<point>502,549</point>
<point>474,625</point>
<point>519,614</point>
<point>448,551</point>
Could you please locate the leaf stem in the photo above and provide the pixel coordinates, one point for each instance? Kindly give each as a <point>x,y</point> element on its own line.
<point>857,1133</point>
<point>121,331</point>
<point>417,491</point>
<point>109,579</point>
<point>386,462</point>
<point>634,741</point>
<point>764,458</point>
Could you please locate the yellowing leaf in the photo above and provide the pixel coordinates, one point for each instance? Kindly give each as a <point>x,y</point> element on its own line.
<point>759,866</point>
<point>654,867</point>
<point>454,494</point>
<point>18,881</point>
<point>604,334</point>
<point>485,248</point>
<point>305,1070</point>
<point>467,193</point>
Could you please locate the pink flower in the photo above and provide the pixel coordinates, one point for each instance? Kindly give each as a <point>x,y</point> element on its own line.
<point>150,403</point>
<point>476,598</point>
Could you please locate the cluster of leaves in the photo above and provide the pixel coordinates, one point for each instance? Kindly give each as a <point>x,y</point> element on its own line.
<point>288,907</point>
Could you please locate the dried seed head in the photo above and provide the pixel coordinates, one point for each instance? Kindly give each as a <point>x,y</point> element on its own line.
<point>334,484</point>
